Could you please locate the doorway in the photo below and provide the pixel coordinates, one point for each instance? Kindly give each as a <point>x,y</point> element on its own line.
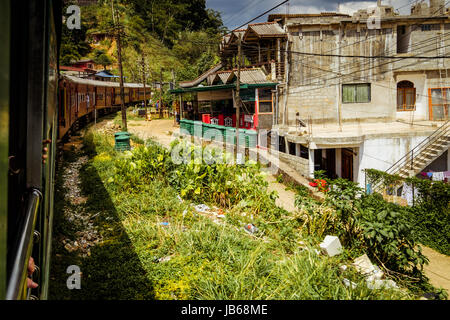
<point>347,164</point>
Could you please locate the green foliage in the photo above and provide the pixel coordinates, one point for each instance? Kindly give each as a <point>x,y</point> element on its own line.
<point>387,180</point>
<point>430,216</point>
<point>100,57</point>
<point>208,260</point>
<point>368,223</point>
<point>173,35</point>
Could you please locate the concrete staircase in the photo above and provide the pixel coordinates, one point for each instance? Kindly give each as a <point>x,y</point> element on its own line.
<point>423,154</point>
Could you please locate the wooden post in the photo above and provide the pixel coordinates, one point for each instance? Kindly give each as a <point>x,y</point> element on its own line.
<point>119,56</point>
<point>161,92</point>
<point>238,94</point>
<point>145,89</point>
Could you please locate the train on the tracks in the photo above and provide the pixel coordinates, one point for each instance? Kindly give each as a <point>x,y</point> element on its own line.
<point>81,100</point>
<point>38,107</point>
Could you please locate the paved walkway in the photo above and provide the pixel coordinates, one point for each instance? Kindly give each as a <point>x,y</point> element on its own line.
<point>438,270</point>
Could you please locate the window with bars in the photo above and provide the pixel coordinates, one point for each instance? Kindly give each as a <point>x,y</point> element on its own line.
<point>406,96</point>
<point>356,93</point>
<point>439,103</point>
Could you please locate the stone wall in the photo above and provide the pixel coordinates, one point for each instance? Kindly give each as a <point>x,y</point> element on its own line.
<point>300,164</point>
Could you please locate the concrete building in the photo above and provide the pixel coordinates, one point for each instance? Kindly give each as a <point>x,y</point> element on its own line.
<point>368,91</point>
<point>364,91</point>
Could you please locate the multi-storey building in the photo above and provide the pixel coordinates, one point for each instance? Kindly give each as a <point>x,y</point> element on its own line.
<point>363,91</point>
<point>370,90</point>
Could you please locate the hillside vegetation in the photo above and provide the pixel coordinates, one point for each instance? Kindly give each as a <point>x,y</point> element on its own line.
<point>177,38</point>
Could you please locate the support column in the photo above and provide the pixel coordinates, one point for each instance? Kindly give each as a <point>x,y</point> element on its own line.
<point>311,163</point>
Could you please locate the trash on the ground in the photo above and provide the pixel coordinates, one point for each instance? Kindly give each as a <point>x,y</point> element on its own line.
<point>221,216</point>
<point>364,265</point>
<point>203,208</point>
<point>165,259</point>
<point>377,274</point>
<point>179,198</point>
<point>331,246</point>
<point>343,267</point>
<point>349,283</point>
<point>164,223</point>
<point>381,284</point>
<point>250,228</point>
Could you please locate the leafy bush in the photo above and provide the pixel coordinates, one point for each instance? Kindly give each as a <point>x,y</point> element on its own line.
<point>430,216</point>
<point>369,223</point>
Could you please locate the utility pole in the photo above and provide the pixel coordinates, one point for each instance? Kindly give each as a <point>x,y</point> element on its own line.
<point>238,95</point>
<point>118,31</point>
<point>161,91</point>
<point>143,82</point>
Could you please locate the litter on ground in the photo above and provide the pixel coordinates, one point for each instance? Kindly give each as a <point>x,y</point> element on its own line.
<point>349,283</point>
<point>202,208</point>
<point>251,228</point>
<point>331,246</point>
<point>381,284</point>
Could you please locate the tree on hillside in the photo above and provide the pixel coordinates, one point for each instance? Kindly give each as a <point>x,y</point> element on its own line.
<point>101,57</point>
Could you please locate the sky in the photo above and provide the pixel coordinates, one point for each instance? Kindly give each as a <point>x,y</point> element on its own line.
<point>237,12</point>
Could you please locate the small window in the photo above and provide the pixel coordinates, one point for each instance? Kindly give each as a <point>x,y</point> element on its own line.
<point>426,27</point>
<point>406,96</point>
<point>403,39</point>
<point>265,107</point>
<point>356,93</point>
<point>265,101</point>
<point>439,103</point>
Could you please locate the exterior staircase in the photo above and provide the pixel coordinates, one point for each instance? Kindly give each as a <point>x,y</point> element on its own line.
<point>422,155</point>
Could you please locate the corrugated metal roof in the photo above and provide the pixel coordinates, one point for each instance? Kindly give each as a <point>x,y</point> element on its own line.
<point>224,76</point>
<point>102,83</point>
<point>251,76</point>
<point>267,29</point>
<point>195,82</point>
<point>248,76</point>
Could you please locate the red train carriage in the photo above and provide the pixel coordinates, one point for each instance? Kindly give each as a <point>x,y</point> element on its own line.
<point>79,98</point>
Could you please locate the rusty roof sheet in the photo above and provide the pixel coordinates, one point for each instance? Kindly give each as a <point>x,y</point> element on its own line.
<point>248,76</point>
<point>201,78</point>
<point>267,29</point>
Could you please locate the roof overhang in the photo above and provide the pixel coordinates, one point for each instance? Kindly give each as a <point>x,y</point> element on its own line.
<point>223,87</point>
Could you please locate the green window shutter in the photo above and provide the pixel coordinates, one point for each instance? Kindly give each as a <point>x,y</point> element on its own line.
<point>363,93</point>
<point>348,93</point>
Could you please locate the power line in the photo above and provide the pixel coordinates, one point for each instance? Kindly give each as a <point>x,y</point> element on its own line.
<point>262,14</point>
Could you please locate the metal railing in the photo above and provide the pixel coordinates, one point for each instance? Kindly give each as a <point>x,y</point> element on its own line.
<point>22,250</point>
<point>409,158</point>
